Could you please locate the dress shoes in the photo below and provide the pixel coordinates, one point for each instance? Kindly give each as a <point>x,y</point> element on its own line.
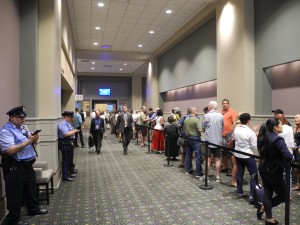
<point>22,222</point>
<point>37,212</point>
<point>68,179</point>
<point>260,211</point>
<point>19,222</point>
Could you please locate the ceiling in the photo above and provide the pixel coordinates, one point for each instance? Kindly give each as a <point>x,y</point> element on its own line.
<point>124,25</point>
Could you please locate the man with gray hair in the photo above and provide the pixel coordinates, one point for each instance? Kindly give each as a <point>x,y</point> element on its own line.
<point>213,124</point>
<point>192,128</point>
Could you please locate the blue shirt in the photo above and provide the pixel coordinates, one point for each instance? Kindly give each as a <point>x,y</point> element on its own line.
<point>11,135</point>
<point>63,128</point>
<point>77,120</point>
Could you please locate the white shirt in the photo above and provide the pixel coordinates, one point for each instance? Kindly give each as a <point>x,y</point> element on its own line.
<point>134,117</point>
<point>288,136</point>
<point>93,115</point>
<point>245,141</point>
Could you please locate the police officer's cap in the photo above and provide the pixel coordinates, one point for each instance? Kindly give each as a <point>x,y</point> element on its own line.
<point>68,113</point>
<point>17,111</point>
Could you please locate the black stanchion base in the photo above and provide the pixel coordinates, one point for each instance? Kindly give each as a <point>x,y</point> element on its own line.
<point>168,165</point>
<point>208,187</point>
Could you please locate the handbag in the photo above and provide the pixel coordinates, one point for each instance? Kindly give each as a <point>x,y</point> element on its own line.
<point>91,142</point>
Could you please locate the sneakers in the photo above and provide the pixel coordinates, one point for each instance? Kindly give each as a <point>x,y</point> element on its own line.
<point>218,179</point>
<point>202,178</point>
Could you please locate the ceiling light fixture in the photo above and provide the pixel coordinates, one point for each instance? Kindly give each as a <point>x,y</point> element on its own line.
<point>140,46</point>
<point>93,62</point>
<point>96,43</point>
<point>121,69</point>
<point>151,32</point>
<point>106,46</point>
<point>92,68</point>
<point>97,28</point>
<point>125,64</point>
<point>100,4</point>
<point>168,11</point>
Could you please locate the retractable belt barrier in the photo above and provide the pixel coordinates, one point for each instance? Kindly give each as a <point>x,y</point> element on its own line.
<point>288,166</point>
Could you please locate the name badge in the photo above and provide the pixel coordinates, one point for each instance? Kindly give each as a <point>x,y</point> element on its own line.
<point>97,127</point>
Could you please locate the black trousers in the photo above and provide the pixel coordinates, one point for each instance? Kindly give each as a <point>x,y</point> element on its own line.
<point>98,136</point>
<point>80,136</point>
<point>126,136</point>
<point>20,186</point>
<point>273,183</point>
<point>67,151</point>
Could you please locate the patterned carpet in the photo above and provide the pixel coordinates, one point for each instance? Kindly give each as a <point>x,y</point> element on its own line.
<point>113,188</point>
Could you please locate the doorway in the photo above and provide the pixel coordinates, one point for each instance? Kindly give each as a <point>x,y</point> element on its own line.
<point>104,105</point>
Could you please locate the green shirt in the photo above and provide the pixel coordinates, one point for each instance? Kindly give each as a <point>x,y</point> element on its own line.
<point>143,117</point>
<point>191,126</point>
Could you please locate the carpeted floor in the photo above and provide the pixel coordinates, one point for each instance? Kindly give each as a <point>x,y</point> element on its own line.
<point>113,188</point>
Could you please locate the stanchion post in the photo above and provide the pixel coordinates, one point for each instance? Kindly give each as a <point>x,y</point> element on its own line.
<point>287,192</point>
<point>148,135</point>
<point>206,186</point>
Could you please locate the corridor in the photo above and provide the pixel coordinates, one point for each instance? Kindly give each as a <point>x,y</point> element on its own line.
<point>137,189</point>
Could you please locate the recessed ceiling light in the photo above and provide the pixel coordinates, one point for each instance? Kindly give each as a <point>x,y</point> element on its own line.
<point>151,32</point>
<point>100,4</point>
<point>168,11</point>
<point>97,28</point>
<point>121,69</point>
<point>105,46</point>
<point>93,62</point>
<point>125,64</point>
<point>96,43</point>
<point>92,68</point>
<point>140,46</point>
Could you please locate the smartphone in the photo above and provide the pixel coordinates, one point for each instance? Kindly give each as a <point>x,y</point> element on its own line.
<point>35,132</point>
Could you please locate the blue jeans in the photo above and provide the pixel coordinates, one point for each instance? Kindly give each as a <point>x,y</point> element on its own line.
<point>251,166</point>
<point>193,146</point>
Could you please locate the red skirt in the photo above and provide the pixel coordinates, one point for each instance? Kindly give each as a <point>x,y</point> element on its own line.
<point>158,141</point>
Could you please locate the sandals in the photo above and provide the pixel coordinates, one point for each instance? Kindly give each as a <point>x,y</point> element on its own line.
<point>296,188</point>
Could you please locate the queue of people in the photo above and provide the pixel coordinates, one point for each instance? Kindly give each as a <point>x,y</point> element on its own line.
<point>276,142</point>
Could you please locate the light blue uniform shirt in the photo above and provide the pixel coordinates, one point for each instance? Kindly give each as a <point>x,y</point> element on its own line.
<point>11,135</point>
<point>63,128</point>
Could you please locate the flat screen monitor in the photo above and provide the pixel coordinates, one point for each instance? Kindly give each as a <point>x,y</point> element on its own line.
<point>104,91</point>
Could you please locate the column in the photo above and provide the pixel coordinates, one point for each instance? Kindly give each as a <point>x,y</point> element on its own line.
<point>40,73</point>
<point>136,92</point>
<point>152,95</point>
<point>235,54</point>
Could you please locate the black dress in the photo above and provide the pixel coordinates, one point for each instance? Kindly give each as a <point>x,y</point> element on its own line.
<point>171,134</point>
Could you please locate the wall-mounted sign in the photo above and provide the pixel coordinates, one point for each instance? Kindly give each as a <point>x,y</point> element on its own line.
<point>78,97</point>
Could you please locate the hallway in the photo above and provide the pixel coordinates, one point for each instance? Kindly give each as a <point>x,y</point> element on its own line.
<point>137,189</point>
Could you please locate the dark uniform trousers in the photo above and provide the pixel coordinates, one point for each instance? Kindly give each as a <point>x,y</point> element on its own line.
<point>126,136</point>
<point>67,150</point>
<point>20,181</point>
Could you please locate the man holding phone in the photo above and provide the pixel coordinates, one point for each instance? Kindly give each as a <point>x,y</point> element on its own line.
<point>18,155</point>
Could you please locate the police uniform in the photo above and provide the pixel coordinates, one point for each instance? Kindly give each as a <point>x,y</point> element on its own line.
<point>66,146</point>
<point>19,175</point>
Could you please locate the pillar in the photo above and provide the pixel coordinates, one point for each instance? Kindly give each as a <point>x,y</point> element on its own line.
<point>235,54</point>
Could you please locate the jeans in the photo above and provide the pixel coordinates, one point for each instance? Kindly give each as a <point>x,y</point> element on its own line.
<point>251,166</point>
<point>193,145</point>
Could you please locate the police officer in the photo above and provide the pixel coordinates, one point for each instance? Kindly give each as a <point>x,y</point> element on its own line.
<point>66,135</point>
<point>18,155</point>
